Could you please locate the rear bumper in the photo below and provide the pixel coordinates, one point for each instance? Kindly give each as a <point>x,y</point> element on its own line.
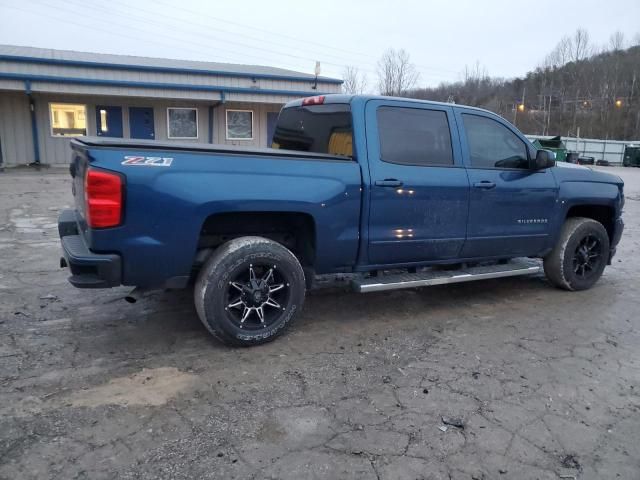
<point>618,228</point>
<point>88,269</point>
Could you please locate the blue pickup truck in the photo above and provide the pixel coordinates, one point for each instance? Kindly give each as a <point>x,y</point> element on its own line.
<point>396,192</point>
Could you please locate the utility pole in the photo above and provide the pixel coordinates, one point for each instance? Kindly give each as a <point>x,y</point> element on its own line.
<point>519,106</point>
<point>549,116</point>
<point>317,72</point>
<point>545,113</point>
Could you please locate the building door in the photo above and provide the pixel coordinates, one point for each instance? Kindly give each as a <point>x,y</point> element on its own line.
<point>109,121</point>
<point>141,123</point>
<point>272,118</point>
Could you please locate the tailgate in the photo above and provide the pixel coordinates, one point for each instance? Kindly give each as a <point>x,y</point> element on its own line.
<point>78,169</point>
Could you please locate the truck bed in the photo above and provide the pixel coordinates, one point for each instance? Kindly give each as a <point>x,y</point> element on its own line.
<point>168,209</point>
<point>132,143</point>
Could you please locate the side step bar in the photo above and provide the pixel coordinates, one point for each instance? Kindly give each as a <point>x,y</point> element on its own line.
<point>439,277</point>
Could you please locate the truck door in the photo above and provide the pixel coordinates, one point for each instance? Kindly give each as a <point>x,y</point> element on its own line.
<point>511,206</point>
<point>419,194</point>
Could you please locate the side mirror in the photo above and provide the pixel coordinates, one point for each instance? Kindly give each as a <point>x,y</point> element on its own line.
<point>544,159</point>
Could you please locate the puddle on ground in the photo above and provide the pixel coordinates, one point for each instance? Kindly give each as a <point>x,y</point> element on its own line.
<point>26,223</point>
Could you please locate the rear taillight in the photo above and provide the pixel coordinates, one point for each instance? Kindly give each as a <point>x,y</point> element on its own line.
<point>103,199</point>
<point>317,100</point>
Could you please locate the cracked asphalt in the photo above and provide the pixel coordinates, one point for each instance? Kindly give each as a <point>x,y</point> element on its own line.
<point>545,382</point>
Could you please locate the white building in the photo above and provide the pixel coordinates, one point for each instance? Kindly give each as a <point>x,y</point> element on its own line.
<point>47,96</point>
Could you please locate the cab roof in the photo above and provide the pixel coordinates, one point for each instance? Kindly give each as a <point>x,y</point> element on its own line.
<point>350,98</point>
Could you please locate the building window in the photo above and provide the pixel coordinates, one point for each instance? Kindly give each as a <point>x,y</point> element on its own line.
<point>182,122</point>
<point>104,124</point>
<point>239,125</point>
<point>68,119</point>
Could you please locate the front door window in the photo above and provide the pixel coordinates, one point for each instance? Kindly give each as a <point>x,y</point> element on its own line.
<point>492,145</point>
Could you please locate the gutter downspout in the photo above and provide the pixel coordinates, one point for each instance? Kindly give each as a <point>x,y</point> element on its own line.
<point>211,110</point>
<point>211,107</point>
<point>34,124</point>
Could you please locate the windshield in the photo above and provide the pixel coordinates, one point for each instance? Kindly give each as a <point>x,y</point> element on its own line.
<point>315,128</point>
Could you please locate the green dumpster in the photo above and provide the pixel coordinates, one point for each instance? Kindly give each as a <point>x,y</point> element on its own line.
<point>555,144</point>
<point>631,156</point>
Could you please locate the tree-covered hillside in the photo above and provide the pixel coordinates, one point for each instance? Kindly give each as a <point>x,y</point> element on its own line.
<point>574,91</point>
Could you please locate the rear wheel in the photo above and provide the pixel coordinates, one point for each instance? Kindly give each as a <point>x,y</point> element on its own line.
<point>580,256</point>
<point>249,291</point>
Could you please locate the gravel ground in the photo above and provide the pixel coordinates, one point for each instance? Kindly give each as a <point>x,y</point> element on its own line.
<point>546,383</point>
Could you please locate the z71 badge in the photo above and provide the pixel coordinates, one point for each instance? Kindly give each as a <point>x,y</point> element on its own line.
<point>148,161</point>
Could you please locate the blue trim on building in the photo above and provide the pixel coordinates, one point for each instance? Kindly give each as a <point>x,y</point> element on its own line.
<point>159,85</point>
<point>158,69</point>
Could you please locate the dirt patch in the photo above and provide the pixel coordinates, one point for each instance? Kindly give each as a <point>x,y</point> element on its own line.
<point>148,387</point>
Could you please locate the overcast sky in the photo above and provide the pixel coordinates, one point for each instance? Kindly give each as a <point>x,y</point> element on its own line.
<point>508,38</point>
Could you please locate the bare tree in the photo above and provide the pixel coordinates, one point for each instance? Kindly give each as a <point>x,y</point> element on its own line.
<point>560,55</point>
<point>396,73</point>
<point>616,41</point>
<point>569,49</point>
<point>599,93</point>
<point>581,48</point>
<point>354,81</point>
<point>474,74</point>
<point>636,40</point>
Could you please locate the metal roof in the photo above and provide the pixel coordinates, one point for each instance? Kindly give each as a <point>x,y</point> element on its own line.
<point>102,60</point>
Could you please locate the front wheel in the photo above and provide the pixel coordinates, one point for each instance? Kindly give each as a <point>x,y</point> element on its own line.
<point>578,259</point>
<point>249,291</point>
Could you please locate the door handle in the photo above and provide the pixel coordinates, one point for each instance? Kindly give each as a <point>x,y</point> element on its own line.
<point>388,182</point>
<point>486,184</point>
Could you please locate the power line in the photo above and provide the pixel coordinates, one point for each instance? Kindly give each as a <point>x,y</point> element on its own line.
<point>191,23</point>
<point>94,28</point>
<point>279,34</point>
<point>340,49</point>
<point>369,67</point>
<point>145,21</point>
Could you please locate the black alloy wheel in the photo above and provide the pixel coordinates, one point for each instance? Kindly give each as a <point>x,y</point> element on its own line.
<point>257,296</point>
<point>587,256</point>
<point>249,291</point>
<point>580,255</point>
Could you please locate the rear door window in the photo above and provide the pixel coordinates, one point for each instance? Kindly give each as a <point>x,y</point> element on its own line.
<point>315,128</point>
<point>414,136</point>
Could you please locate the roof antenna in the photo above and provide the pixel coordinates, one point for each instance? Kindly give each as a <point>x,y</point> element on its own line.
<point>317,72</point>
